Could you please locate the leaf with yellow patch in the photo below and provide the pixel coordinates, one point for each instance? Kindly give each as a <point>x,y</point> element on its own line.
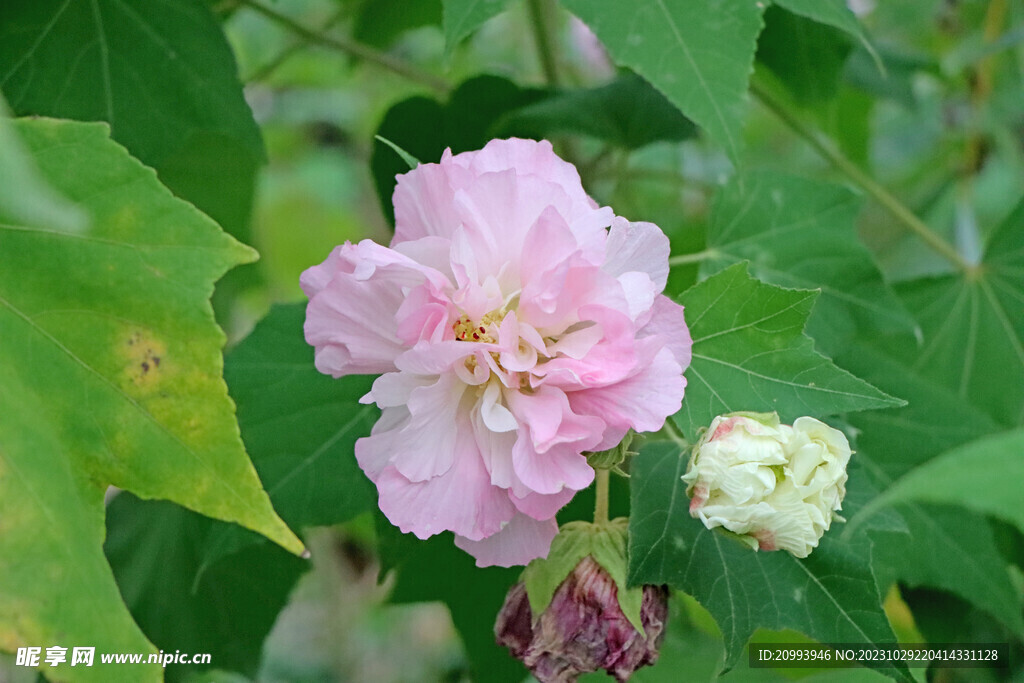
<point>110,374</point>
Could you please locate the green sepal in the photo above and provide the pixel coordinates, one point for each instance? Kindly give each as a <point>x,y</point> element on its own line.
<point>613,457</point>
<point>606,544</point>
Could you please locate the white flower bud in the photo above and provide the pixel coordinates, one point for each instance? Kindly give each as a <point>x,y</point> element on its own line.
<point>777,486</point>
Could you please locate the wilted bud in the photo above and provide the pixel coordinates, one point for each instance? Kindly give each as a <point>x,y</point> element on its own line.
<point>583,629</point>
<point>776,485</point>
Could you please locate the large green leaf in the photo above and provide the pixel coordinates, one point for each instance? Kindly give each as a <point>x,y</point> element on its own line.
<point>951,549</point>
<point>700,54</point>
<point>983,475</point>
<point>112,375</point>
<point>973,327</point>
<point>830,596</point>
<point>462,17</point>
<point>155,550</point>
<point>806,55</point>
<point>627,112</point>
<point>900,439</point>
<point>160,73</point>
<point>379,23</point>
<point>832,13</point>
<point>299,426</point>
<point>800,233</point>
<point>750,353</point>
<point>946,549</point>
<point>25,197</point>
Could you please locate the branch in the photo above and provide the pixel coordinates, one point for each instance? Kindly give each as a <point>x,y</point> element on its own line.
<point>354,49</point>
<point>824,147</point>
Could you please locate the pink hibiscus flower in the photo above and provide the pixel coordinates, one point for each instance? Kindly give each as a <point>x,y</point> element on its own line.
<point>517,325</point>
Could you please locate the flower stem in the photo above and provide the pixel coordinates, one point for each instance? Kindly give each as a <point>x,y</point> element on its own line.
<point>697,257</point>
<point>353,48</point>
<point>601,496</point>
<point>541,16</point>
<point>824,147</point>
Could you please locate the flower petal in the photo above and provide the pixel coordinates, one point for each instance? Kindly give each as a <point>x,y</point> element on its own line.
<point>461,500</point>
<point>637,248</point>
<point>667,321</point>
<point>426,446</point>
<point>641,401</point>
<point>523,539</point>
<point>354,298</point>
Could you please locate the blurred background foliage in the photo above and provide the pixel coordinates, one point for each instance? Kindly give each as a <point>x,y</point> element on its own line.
<point>930,105</point>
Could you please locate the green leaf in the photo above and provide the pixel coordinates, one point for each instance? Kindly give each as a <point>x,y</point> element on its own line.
<point>409,159</point>
<point>627,112</point>
<point>973,329</point>
<point>801,233</point>
<point>424,128</point>
<point>160,73</point>
<point>57,585</point>
<point>953,551</point>
<point>25,197</point>
<point>154,548</point>
<point>807,56</point>
<point>899,439</point>
<point>381,22</point>
<point>983,476</point>
<point>462,17</point>
<point>833,13</point>
<point>299,427</point>
<point>830,596</point>
<point>750,353</point>
<point>699,55</point>
<point>112,375</point>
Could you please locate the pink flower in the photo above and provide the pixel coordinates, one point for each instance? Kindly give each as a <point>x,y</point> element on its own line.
<point>514,331</point>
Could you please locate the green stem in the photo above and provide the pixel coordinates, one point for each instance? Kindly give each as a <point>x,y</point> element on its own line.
<point>601,497</point>
<point>353,48</point>
<point>696,257</point>
<point>824,147</point>
<point>541,17</point>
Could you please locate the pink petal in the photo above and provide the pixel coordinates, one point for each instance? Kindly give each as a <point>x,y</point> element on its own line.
<point>495,449</point>
<point>543,506</point>
<point>668,323</point>
<point>423,202</point>
<point>523,539</point>
<point>609,361</point>
<point>461,500</point>
<point>424,316</point>
<point>497,212</point>
<point>550,420</point>
<point>642,401</point>
<point>394,388</point>
<point>351,325</point>
<point>637,248</point>
<point>426,447</point>
<point>373,453</point>
<point>561,466</point>
<point>354,298</point>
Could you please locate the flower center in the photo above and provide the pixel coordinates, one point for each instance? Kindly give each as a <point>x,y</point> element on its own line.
<point>467,330</point>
